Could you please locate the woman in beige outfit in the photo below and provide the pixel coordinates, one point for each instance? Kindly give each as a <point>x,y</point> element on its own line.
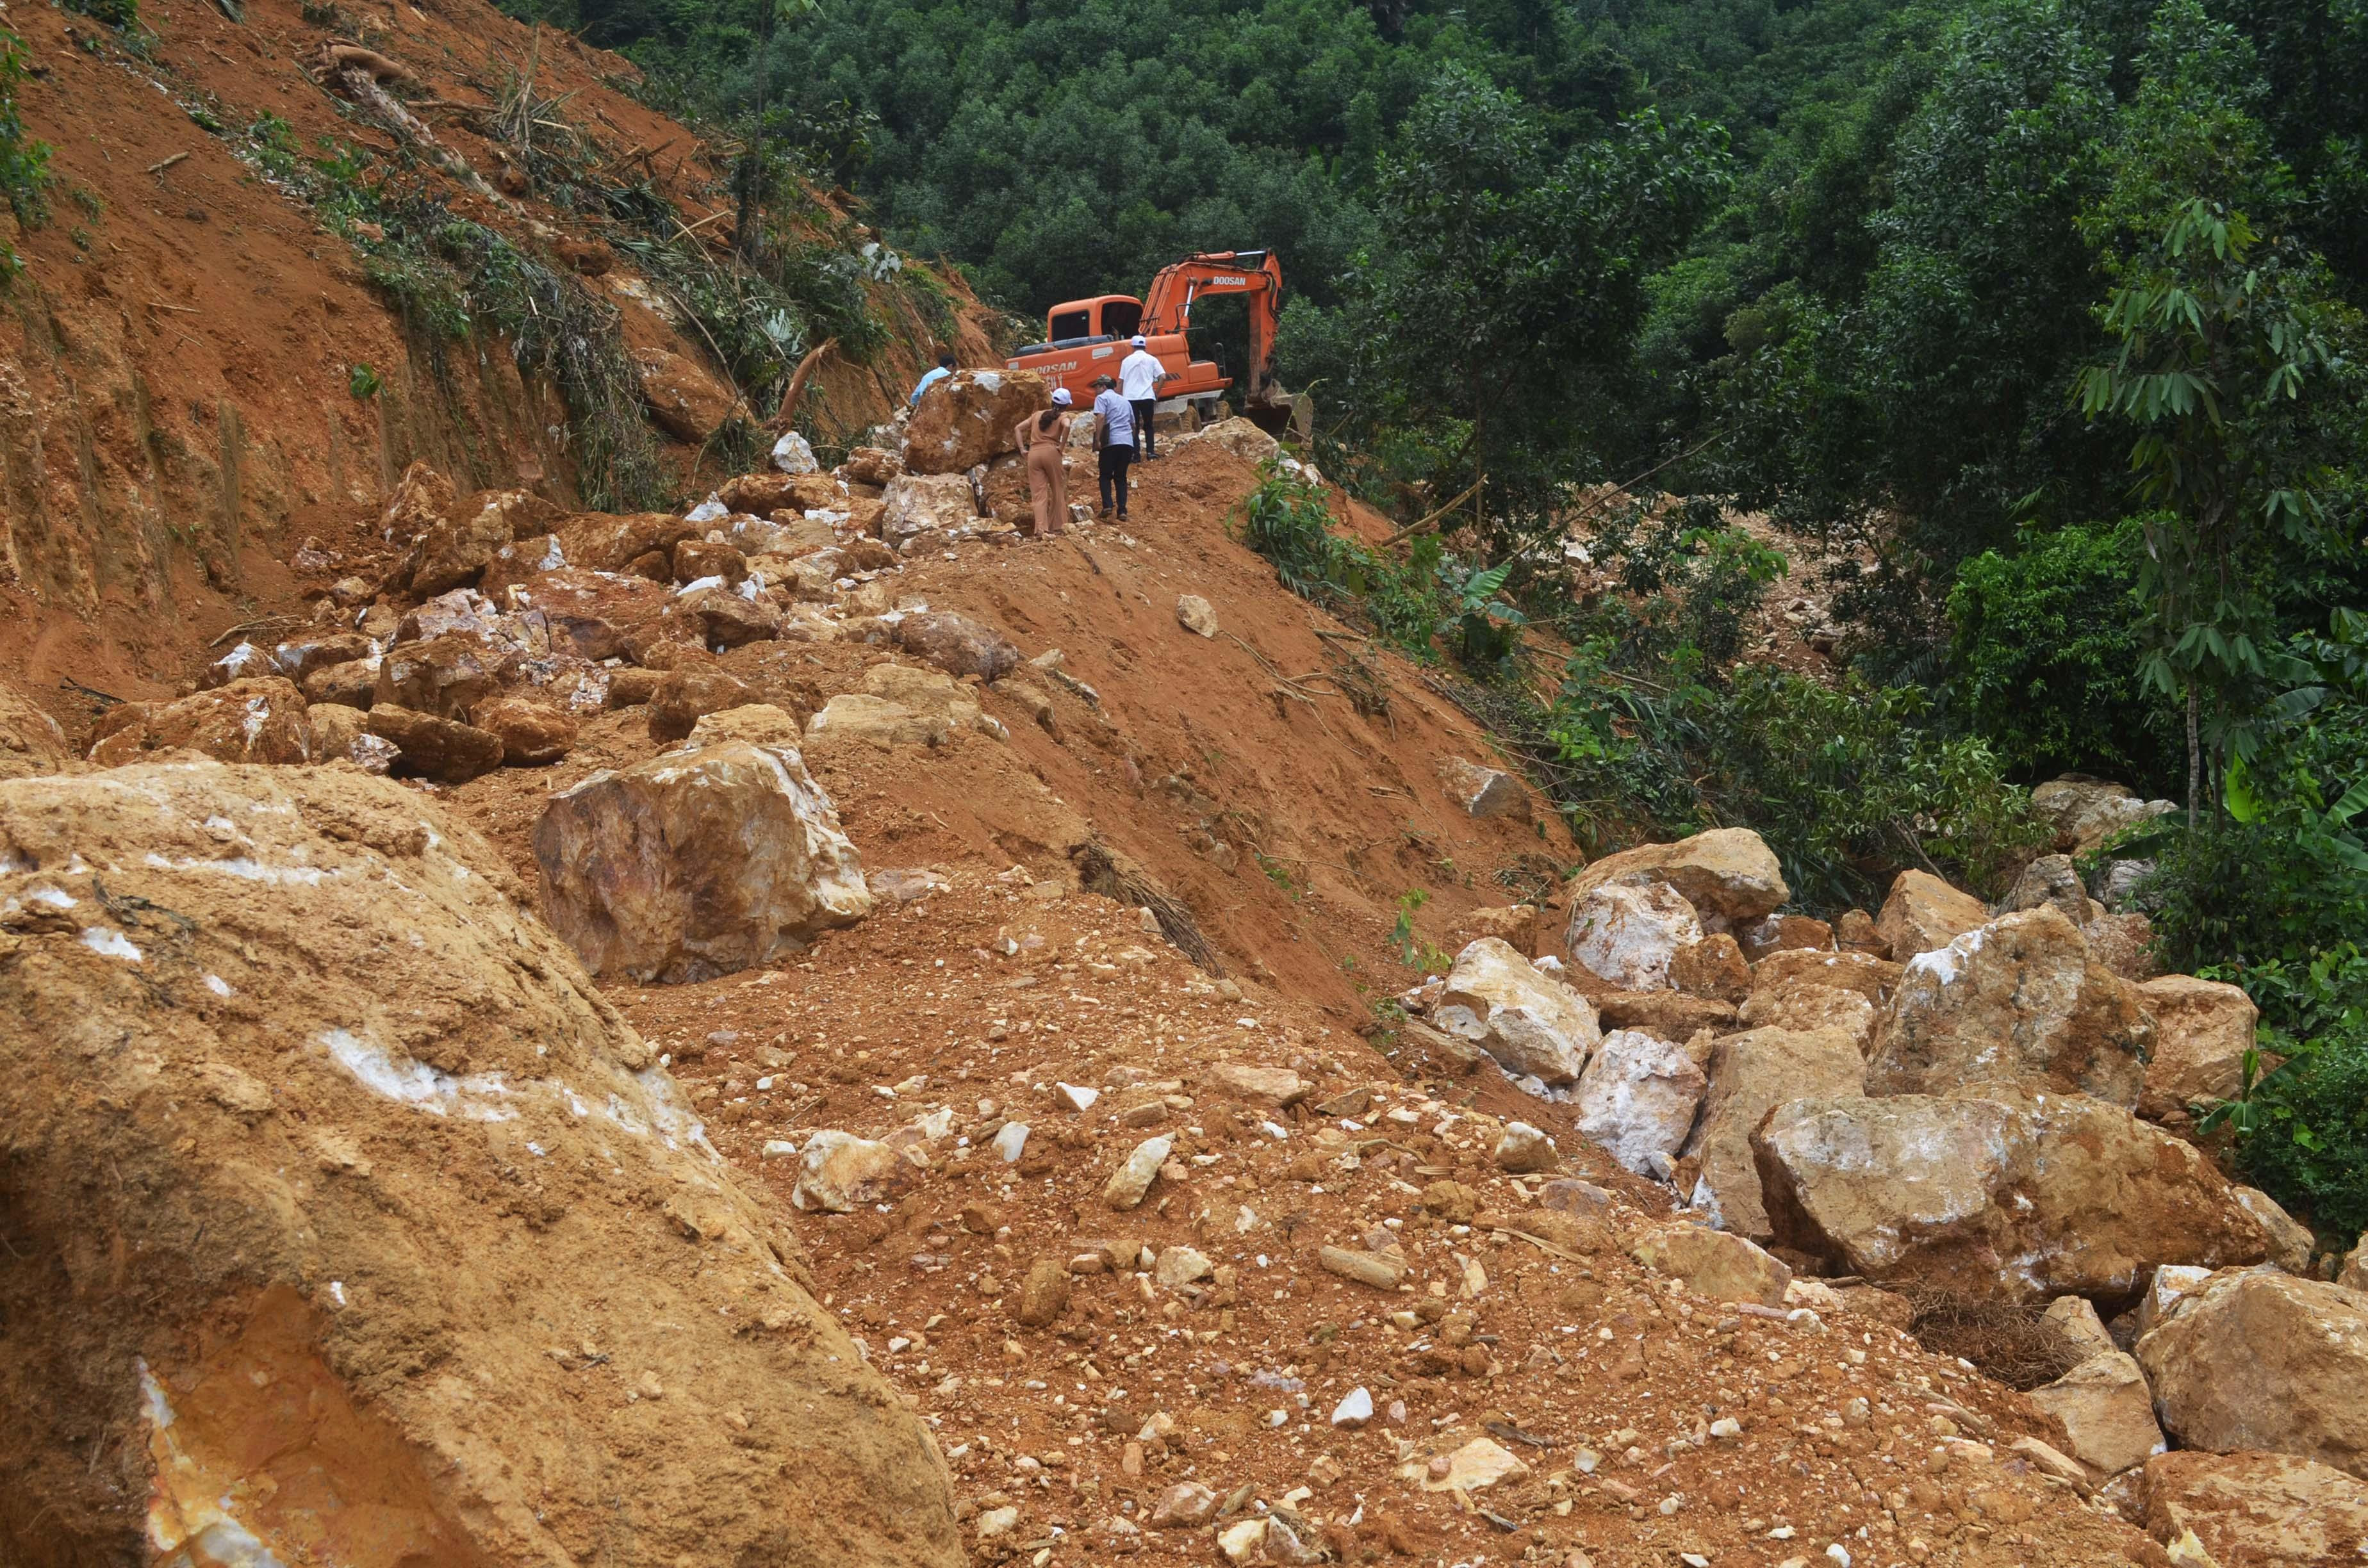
<point>1042,437</point>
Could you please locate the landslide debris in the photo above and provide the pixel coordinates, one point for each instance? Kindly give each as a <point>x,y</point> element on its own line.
<point>346,1216</point>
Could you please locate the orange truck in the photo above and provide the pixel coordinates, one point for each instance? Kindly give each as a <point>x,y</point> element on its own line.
<point>1086,338</point>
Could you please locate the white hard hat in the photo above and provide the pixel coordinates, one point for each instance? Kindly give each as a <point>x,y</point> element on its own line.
<point>1140,341</point>
<point>1061,397</point>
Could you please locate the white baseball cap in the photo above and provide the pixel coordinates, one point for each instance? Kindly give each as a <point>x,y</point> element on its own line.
<point>1140,341</point>
<point>1061,397</point>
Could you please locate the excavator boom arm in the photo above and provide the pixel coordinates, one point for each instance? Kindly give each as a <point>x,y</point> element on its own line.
<point>1257,274</point>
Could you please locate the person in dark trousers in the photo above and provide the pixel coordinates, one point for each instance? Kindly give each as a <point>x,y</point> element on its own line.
<point>1139,375</point>
<point>1114,433</point>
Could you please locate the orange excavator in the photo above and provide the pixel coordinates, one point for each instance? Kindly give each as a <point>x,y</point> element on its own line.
<point>1086,338</point>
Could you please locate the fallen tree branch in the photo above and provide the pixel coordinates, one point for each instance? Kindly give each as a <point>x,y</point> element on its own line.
<point>797,388</point>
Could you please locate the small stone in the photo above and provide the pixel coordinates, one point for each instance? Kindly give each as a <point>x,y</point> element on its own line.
<point>1185,1506</point>
<point>1141,1168</point>
<point>1523,1149</point>
<point>1009,1140</point>
<point>1276,1087</point>
<point>1194,614</point>
<point>1378,1269</point>
<point>1241,1539</point>
<point>648,1386</point>
<point>779,1148</point>
<point>997,1521</point>
<point>1726,1426</point>
<point>843,1173</point>
<point>1480,1462</point>
<point>1078,1097</point>
<point>1180,1265</point>
<point>1044,1295</point>
<point>1717,1264</point>
<point>1355,1409</point>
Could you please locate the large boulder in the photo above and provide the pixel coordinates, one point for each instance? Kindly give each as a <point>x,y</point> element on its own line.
<point>2253,1358</point>
<point>422,498</point>
<point>1637,1098</point>
<point>2203,1029</point>
<point>1481,792</point>
<point>2049,880</point>
<point>1530,1023</point>
<point>1716,1264</point>
<point>958,644</point>
<point>1750,1076</point>
<point>718,618</point>
<point>1239,435</point>
<point>684,696</point>
<point>1728,874</point>
<point>1625,932</point>
<point>2086,811</point>
<point>2106,1410</point>
<point>343,1198</point>
<point>534,734</point>
<point>1809,989</point>
<point>600,541</point>
<point>968,417</point>
<point>445,675</point>
<point>459,548</point>
<point>685,398</point>
<point>447,750</point>
<point>854,717</point>
<point>30,741</point>
<point>2007,1196</point>
<point>2018,1000</point>
<point>917,503</point>
<point>587,613</point>
<point>1924,912</point>
<point>2252,1507</point>
<point>696,864</point>
<point>259,720</point>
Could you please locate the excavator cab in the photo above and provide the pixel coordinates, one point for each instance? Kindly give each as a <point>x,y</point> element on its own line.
<point>1086,338</point>
<point>1091,321</point>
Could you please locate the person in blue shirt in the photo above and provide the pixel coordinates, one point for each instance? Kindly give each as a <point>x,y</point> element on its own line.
<point>945,367</point>
<point>1114,433</point>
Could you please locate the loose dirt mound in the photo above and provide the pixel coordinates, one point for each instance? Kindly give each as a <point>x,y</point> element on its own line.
<point>347,1215</point>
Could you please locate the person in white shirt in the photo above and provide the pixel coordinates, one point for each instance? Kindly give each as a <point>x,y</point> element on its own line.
<point>1139,375</point>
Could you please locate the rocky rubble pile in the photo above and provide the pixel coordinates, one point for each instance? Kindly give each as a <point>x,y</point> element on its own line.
<point>1960,1103</point>
<point>503,623</point>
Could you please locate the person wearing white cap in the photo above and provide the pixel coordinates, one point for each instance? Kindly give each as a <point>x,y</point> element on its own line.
<point>1041,438</point>
<point>1139,375</point>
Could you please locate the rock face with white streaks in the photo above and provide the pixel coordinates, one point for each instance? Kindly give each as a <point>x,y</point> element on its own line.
<point>2254,1507</point>
<point>1503,1004</point>
<point>1626,932</point>
<point>1637,1098</point>
<point>2017,1001</point>
<point>2006,1195</point>
<point>2253,1358</point>
<point>370,1132</point>
<point>968,417</point>
<point>1749,1075</point>
<point>696,863</point>
<point>1728,874</point>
